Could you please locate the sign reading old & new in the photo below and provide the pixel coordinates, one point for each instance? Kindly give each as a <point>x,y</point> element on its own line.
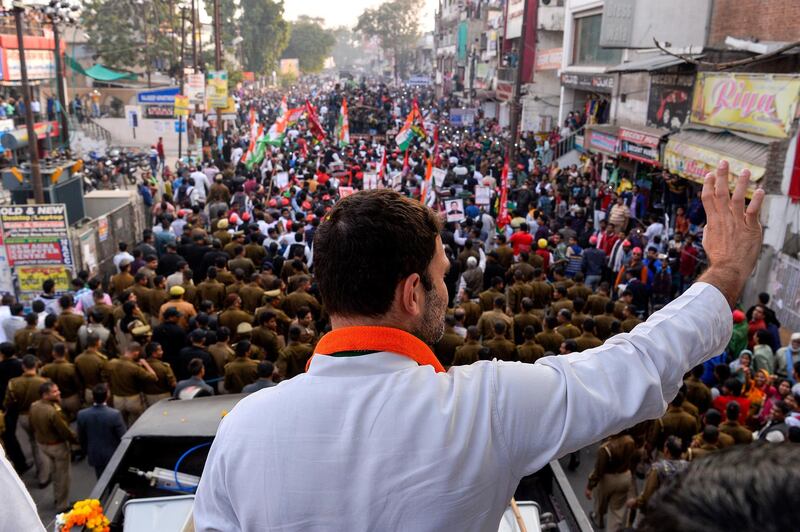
<point>590,82</point>
<point>763,104</point>
<point>639,146</point>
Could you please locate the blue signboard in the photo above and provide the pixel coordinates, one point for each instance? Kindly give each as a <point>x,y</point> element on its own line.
<point>158,96</point>
<point>180,126</point>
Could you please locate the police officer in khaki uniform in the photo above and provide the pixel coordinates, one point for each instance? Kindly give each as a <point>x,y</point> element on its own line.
<point>610,483</point>
<point>22,338</point>
<point>165,378</point>
<point>472,310</point>
<point>53,436</point>
<point>517,292</point>
<point>732,427</point>
<point>240,262</point>
<point>587,339</point>
<point>560,300</point>
<point>292,360</point>
<point>707,443</point>
<point>126,377</point>
<point>211,289</point>
<point>221,351</point>
<point>242,370</point>
<point>565,327</point>
<point>500,346</point>
<point>266,336</point>
<point>603,322</point>
<point>233,314</point>
<point>468,353</point>
<point>542,290</point>
<point>65,376</point>
<point>529,351</point>
<point>487,297</point>
<point>488,319</point>
<point>549,339</point>
<point>91,365</point>
<point>524,319</point>
<point>21,393</point>
<point>42,342</point>
<point>676,422</point>
<point>630,320</point>
<point>123,280</point>
<point>252,294</point>
<point>445,348</point>
<point>301,298</point>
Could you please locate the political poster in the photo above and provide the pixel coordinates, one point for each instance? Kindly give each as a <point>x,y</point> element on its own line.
<point>181,105</point>
<point>31,279</point>
<point>217,93</point>
<point>483,195</point>
<point>370,181</point>
<point>438,176</point>
<point>36,234</point>
<point>196,87</point>
<point>454,209</point>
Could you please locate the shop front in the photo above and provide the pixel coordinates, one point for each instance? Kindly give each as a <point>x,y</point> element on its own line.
<point>591,94</point>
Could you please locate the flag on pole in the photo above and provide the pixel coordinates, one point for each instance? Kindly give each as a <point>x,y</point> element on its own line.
<point>343,130</point>
<point>382,166</point>
<point>253,134</point>
<point>413,127</point>
<point>425,189</point>
<point>283,107</point>
<point>259,150</point>
<point>503,218</point>
<point>313,122</point>
<point>277,132</point>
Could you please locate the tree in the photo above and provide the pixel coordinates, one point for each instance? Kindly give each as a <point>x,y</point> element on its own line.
<point>132,33</point>
<point>265,34</point>
<point>396,25</point>
<point>229,13</point>
<point>310,43</point>
<point>346,50</point>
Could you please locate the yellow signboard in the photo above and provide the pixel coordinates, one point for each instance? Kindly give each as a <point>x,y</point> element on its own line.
<point>694,162</point>
<point>181,105</point>
<point>32,277</point>
<point>217,88</point>
<point>763,104</point>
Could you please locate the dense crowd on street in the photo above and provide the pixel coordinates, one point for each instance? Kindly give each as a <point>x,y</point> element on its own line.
<point>219,295</point>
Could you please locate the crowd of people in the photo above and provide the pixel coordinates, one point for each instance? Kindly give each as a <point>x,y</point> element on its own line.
<point>219,296</point>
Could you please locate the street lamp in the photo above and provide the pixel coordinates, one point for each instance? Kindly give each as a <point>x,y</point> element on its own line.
<point>60,12</point>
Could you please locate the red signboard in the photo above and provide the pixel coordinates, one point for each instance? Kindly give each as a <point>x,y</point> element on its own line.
<point>35,253</point>
<point>638,137</point>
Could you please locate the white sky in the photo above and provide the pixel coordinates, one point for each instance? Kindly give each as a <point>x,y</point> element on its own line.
<point>346,12</point>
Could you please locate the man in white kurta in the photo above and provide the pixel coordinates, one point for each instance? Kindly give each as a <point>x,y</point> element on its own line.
<point>374,438</point>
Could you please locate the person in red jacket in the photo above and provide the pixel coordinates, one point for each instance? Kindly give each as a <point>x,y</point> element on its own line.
<point>688,262</point>
<point>522,240</point>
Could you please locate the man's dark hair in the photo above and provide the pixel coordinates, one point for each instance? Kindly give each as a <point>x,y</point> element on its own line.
<point>265,369</point>
<point>732,411</point>
<point>674,446</point>
<point>588,325</point>
<point>45,387</point>
<point>32,319</point>
<point>499,327</point>
<point>473,333</point>
<point>29,362</point>
<point>294,333</point>
<point>571,345</point>
<point>734,386</point>
<point>368,243</point>
<point>717,494</point>
<point>99,393</point>
<point>529,333</point>
<point>242,348</point>
<point>65,301</point>
<point>195,367</point>
<point>48,286</point>
<point>713,417</point>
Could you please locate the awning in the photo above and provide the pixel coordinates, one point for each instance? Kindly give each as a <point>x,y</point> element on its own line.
<point>692,154</point>
<point>99,72</point>
<point>602,138</point>
<point>650,63</point>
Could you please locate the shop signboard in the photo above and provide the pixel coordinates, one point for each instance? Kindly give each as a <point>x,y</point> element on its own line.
<point>40,64</point>
<point>217,84</point>
<point>36,234</point>
<point>638,152</point>
<point>196,87</point>
<point>514,15</point>
<point>462,117</point>
<point>638,137</point>
<point>670,101</point>
<point>31,278</point>
<point>763,104</point>
<point>158,96</point>
<point>603,142</point>
<point>694,162</point>
<point>591,82</point>
<point>159,111</point>
<point>181,105</point>
<point>549,59</point>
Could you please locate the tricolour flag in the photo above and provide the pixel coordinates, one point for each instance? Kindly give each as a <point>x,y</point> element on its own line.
<point>413,127</point>
<point>256,155</point>
<point>503,218</point>
<point>343,129</point>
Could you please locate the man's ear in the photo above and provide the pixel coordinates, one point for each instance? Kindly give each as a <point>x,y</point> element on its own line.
<point>407,296</point>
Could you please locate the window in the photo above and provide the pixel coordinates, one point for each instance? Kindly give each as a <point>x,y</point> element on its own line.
<point>587,50</point>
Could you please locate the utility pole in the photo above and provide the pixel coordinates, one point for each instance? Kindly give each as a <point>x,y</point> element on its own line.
<point>62,116</point>
<point>217,58</point>
<point>182,77</point>
<point>516,106</point>
<point>33,142</point>
<point>194,37</point>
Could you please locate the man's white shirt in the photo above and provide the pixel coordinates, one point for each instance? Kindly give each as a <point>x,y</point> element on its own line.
<point>376,442</point>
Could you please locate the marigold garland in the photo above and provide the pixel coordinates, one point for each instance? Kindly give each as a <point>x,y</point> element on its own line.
<point>87,513</point>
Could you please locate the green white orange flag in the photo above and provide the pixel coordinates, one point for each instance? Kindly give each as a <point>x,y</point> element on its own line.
<point>343,129</point>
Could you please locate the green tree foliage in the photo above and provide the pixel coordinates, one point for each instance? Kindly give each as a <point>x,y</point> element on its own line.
<point>229,14</point>
<point>346,50</point>
<point>265,34</point>
<point>310,43</point>
<point>396,24</point>
<point>133,33</point>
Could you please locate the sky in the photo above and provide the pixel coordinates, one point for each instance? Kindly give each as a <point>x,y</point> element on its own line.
<point>346,12</point>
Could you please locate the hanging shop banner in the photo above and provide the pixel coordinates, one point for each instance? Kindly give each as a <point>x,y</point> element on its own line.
<point>603,142</point>
<point>36,234</point>
<point>40,64</point>
<point>181,105</point>
<point>217,92</point>
<point>6,277</point>
<point>694,162</point>
<point>196,87</point>
<point>638,137</point>
<point>763,104</point>
<point>31,278</point>
<point>638,152</point>
<point>670,102</point>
